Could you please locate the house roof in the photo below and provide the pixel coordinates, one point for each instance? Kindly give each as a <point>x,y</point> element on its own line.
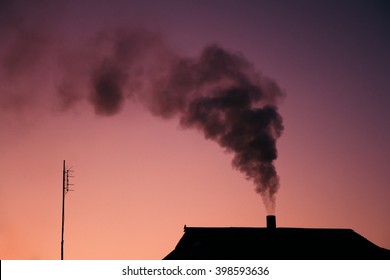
<point>209,243</point>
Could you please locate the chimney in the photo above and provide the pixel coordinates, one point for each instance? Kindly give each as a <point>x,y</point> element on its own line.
<point>271,221</point>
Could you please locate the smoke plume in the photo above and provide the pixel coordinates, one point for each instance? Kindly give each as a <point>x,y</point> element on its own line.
<point>218,92</point>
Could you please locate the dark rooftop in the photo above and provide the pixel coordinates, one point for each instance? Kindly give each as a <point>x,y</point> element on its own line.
<point>209,243</point>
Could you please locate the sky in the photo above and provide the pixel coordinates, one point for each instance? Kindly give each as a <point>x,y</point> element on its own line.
<point>140,98</point>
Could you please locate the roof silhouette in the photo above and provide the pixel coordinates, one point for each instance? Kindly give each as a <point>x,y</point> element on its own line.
<point>211,243</point>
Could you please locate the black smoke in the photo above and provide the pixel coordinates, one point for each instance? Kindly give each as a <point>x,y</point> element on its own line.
<point>219,93</point>
<point>107,94</point>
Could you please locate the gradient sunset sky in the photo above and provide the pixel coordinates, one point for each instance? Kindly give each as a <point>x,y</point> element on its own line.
<point>139,177</point>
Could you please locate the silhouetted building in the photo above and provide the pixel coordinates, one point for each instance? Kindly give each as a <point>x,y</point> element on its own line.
<point>272,243</point>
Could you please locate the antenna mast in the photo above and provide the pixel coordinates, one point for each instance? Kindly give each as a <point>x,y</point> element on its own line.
<point>65,189</point>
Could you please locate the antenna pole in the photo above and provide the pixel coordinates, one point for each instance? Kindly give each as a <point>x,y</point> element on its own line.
<point>63,208</point>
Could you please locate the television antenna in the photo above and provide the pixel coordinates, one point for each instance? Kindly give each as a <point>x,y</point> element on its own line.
<point>66,174</point>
